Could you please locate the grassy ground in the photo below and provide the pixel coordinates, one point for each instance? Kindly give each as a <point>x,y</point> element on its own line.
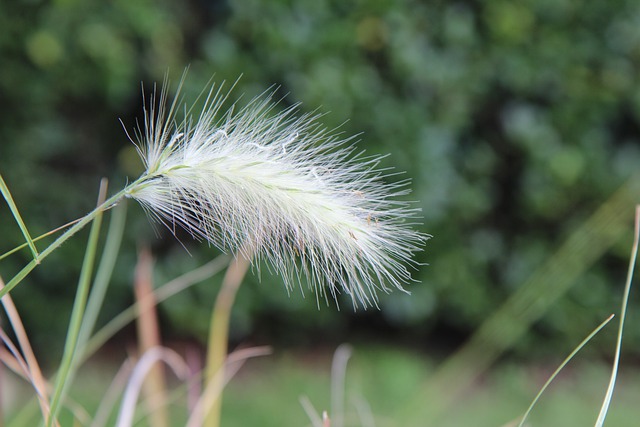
<point>388,379</point>
<point>381,383</point>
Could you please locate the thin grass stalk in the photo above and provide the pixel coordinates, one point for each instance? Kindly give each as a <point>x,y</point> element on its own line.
<point>13,359</point>
<point>16,214</point>
<point>103,274</point>
<point>219,330</point>
<point>150,358</point>
<point>623,314</point>
<point>154,386</point>
<point>19,365</point>
<point>562,365</point>
<point>338,381</point>
<point>69,355</point>
<point>9,360</point>
<point>35,373</point>
<point>163,293</point>
<point>176,395</point>
<point>40,237</point>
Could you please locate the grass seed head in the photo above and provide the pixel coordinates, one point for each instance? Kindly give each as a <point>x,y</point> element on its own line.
<point>308,205</point>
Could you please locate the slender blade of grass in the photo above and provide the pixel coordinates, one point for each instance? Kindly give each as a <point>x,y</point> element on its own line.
<point>562,365</point>
<point>63,379</point>
<point>103,273</point>
<point>18,360</point>
<point>40,237</point>
<point>35,373</point>
<point>338,380</point>
<point>623,313</point>
<point>219,331</point>
<point>140,371</point>
<point>98,290</point>
<point>16,214</point>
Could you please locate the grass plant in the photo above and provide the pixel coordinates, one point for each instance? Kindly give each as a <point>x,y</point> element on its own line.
<point>260,185</point>
<point>267,186</point>
<point>623,315</point>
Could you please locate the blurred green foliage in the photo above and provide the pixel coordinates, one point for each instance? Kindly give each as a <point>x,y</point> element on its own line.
<point>514,120</point>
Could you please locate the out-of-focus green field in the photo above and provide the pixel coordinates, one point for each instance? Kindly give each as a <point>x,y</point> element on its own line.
<point>387,381</point>
<point>381,383</point>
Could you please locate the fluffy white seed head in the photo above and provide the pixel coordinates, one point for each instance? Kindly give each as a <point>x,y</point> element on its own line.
<point>282,185</point>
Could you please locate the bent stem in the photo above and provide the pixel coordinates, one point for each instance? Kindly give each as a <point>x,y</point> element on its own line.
<point>219,329</point>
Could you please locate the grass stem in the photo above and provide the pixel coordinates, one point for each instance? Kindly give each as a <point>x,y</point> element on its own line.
<point>82,293</point>
<point>562,365</point>
<point>623,314</point>
<point>219,330</point>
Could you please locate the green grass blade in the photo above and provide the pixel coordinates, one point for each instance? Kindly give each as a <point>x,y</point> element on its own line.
<point>623,313</point>
<point>16,214</point>
<point>562,365</point>
<point>63,379</point>
<point>19,277</point>
<point>103,274</point>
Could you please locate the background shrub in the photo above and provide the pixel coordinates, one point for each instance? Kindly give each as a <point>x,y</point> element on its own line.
<point>515,122</point>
